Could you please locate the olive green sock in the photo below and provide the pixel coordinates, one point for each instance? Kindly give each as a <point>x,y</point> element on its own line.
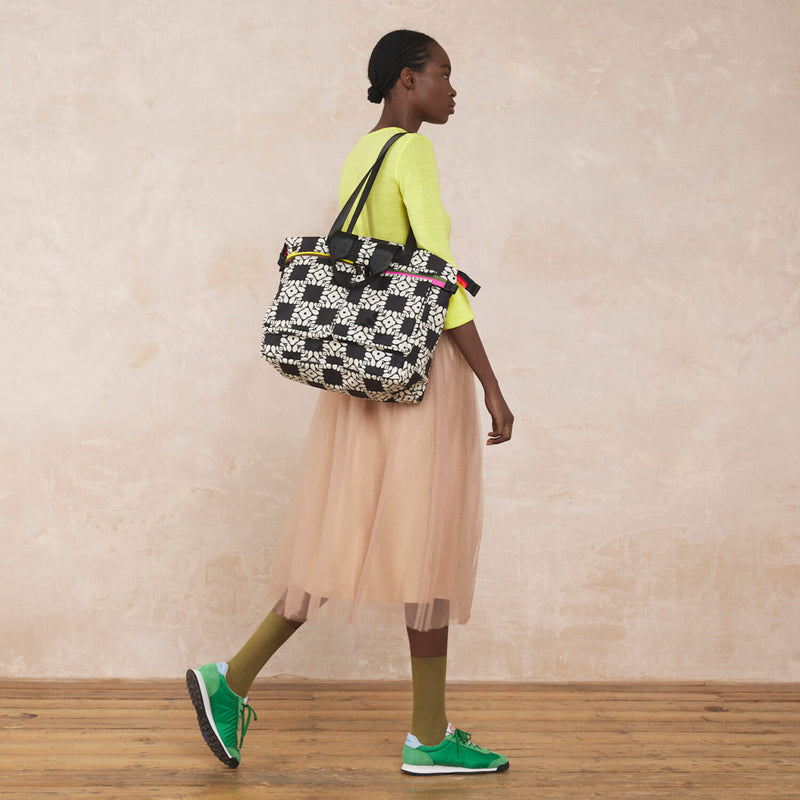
<point>273,632</point>
<point>429,718</point>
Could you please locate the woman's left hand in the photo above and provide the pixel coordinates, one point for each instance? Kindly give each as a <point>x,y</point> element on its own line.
<point>502,418</point>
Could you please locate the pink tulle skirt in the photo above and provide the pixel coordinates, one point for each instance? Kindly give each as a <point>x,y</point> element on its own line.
<point>387,511</point>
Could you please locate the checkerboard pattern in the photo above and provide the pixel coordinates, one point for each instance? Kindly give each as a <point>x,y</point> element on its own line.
<point>338,326</point>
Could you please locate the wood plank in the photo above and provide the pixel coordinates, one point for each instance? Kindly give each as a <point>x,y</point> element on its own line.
<point>677,741</point>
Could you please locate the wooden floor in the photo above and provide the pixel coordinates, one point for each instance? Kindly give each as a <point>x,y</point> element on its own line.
<point>342,740</point>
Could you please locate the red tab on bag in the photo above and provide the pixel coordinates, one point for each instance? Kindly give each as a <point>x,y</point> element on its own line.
<point>466,283</point>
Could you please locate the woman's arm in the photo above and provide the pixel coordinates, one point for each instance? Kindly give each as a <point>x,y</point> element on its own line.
<point>471,347</point>
<point>418,179</point>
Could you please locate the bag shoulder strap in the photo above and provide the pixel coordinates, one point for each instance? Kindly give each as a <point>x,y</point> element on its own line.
<point>365,184</point>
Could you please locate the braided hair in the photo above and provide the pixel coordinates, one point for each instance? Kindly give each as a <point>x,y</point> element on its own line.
<point>392,53</point>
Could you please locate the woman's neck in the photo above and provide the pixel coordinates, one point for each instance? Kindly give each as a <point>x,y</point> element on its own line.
<point>398,117</point>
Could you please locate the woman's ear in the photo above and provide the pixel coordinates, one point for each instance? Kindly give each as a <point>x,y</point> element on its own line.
<point>407,77</point>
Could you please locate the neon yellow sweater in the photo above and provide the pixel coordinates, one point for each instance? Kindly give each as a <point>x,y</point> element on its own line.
<point>406,190</point>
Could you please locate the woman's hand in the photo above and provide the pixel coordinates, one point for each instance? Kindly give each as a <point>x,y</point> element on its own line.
<point>502,418</point>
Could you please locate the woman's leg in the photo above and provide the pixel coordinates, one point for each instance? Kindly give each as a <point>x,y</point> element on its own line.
<point>429,676</point>
<point>268,638</point>
<point>438,752</point>
<point>219,691</point>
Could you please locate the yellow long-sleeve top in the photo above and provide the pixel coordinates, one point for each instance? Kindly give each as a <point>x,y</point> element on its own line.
<point>405,191</point>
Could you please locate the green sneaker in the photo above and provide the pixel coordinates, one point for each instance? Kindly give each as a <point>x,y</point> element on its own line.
<point>455,753</point>
<point>220,712</point>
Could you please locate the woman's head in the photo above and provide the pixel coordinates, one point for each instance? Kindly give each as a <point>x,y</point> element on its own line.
<point>411,69</point>
<point>391,54</point>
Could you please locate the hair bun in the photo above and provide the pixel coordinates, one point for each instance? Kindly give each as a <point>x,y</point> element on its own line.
<point>392,53</point>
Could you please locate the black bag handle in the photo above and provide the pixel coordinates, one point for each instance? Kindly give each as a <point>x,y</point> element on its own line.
<point>338,249</point>
<point>366,184</point>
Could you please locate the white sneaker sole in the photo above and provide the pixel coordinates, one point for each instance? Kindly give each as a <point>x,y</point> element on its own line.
<point>421,769</point>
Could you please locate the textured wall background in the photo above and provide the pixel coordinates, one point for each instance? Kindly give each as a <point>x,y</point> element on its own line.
<point>623,179</point>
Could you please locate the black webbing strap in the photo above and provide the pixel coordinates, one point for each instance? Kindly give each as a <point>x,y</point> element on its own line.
<point>366,184</point>
<point>362,192</point>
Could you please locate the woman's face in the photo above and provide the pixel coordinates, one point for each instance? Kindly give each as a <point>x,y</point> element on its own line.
<point>433,92</point>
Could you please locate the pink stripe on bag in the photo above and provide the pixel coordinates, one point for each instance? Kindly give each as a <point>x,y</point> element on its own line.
<point>440,284</point>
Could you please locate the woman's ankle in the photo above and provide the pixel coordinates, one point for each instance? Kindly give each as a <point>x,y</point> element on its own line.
<point>429,733</point>
<point>236,684</point>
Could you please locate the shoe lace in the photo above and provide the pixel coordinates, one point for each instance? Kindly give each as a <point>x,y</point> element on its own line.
<point>465,739</point>
<point>244,720</point>
<point>462,737</point>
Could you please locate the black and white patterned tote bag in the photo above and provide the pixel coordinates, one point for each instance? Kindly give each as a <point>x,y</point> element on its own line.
<point>359,315</point>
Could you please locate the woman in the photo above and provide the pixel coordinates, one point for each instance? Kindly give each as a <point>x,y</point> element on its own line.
<point>388,507</point>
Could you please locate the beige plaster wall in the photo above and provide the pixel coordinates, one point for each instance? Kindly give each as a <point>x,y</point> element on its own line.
<point>623,180</point>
